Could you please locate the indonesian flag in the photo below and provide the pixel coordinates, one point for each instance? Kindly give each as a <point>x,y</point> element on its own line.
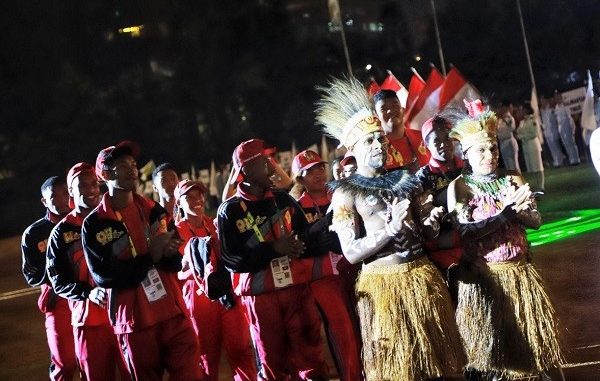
<point>392,83</point>
<point>588,120</point>
<point>373,88</point>
<point>428,102</point>
<point>415,87</point>
<point>455,89</point>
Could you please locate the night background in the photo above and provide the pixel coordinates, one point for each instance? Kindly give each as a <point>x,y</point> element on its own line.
<point>192,79</point>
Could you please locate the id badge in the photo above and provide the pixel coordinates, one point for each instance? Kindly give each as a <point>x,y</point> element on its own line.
<point>335,259</point>
<point>282,273</point>
<point>153,286</point>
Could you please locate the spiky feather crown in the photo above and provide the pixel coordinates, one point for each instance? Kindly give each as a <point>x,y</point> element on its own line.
<point>345,111</point>
<point>478,126</point>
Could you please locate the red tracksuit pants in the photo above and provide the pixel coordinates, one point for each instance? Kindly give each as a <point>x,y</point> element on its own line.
<point>97,350</point>
<point>170,345</point>
<point>286,325</point>
<point>60,342</point>
<point>218,327</point>
<point>341,325</point>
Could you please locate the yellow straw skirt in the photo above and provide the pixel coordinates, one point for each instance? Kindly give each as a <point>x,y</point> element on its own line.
<point>506,319</point>
<point>407,323</point>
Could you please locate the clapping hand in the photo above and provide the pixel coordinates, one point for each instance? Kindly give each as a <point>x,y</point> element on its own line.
<point>519,198</point>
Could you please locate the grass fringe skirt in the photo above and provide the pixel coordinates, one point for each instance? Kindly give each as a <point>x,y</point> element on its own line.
<point>506,319</point>
<point>407,323</point>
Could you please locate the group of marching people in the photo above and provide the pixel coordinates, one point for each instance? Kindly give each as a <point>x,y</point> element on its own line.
<point>414,261</point>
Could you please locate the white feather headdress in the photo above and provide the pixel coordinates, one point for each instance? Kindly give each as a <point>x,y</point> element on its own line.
<point>345,111</point>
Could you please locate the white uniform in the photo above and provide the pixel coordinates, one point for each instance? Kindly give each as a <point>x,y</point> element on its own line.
<point>566,129</point>
<point>531,147</point>
<point>550,127</point>
<point>509,148</point>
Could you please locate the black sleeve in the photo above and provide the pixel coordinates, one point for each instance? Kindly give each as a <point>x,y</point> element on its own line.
<point>169,264</point>
<point>106,268</point>
<point>237,255</point>
<point>315,236</point>
<point>480,229</point>
<point>34,259</point>
<point>59,268</point>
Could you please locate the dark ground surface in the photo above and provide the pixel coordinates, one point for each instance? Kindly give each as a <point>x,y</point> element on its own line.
<point>569,268</point>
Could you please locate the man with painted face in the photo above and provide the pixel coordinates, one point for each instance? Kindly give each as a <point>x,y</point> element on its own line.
<point>164,181</point>
<point>34,242</point>
<point>131,250</point>
<point>406,149</point>
<point>95,344</point>
<point>406,318</point>
<point>265,236</point>
<point>444,166</point>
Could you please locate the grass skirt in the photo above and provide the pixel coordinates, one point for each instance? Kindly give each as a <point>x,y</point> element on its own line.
<point>407,323</point>
<point>506,319</point>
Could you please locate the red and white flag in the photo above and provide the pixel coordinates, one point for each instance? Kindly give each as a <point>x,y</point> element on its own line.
<point>455,89</point>
<point>373,87</point>
<point>428,102</point>
<point>415,87</point>
<point>392,83</point>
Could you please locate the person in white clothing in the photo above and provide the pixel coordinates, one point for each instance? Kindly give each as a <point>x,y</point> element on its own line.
<point>531,147</point>
<point>551,135</point>
<point>509,148</point>
<point>566,129</point>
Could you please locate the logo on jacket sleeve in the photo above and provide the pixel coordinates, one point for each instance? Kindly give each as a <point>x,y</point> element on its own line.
<point>108,235</point>
<point>42,246</point>
<point>69,237</point>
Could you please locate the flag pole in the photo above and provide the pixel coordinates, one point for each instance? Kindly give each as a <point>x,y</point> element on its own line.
<point>526,44</point>
<point>437,36</point>
<point>335,13</point>
<point>346,52</point>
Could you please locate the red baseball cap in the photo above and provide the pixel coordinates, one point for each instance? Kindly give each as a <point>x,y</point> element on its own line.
<point>187,185</point>
<point>347,157</point>
<point>305,160</point>
<point>436,121</point>
<point>244,153</point>
<point>75,171</point>
<point>107,155</point>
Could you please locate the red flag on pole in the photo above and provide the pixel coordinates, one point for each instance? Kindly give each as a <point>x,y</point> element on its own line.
<point>415,87</point>
<point>455,89</point>
<point>428,102</point>
<point>373,87</point>
<point>391,83</point>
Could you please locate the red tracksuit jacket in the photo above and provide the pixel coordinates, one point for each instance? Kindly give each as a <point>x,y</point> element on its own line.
<point>108,250</point>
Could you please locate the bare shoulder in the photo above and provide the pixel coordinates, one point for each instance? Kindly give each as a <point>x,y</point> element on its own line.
<point>458,192</point>
<point>342,204</point>
<point>515,177</point>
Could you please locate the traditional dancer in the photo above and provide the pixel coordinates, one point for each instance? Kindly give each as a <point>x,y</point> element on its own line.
<point>504,315</point>
<point>406,318</point>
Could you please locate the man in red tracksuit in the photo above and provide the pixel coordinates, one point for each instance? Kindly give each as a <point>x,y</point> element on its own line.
<point>96,346</point>
<point>218,323</point>
<point>333,277</point>
<point>406,149</point>
<point>444,166</point>
<point>130,250</point>
<point>263,235</point>
<point>56,310</point>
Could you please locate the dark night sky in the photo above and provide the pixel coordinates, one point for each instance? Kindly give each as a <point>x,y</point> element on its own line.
<point>206,75</point>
